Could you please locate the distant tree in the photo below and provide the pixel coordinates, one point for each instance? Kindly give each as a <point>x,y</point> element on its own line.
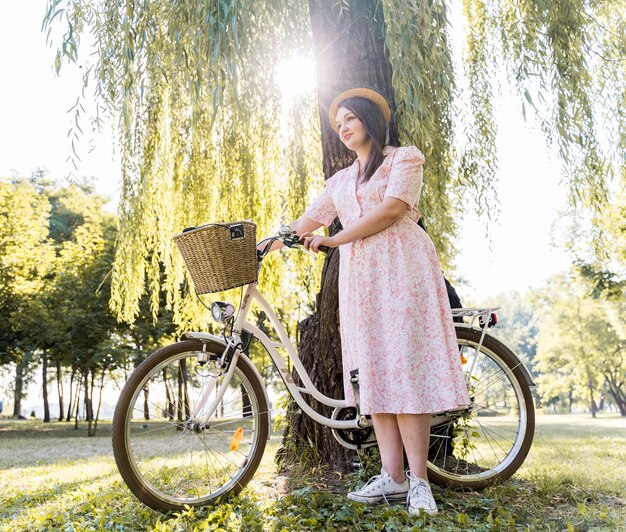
<point>25,258</point>
<point>578,349</point>
<point>82,291</point>
<point>518,324</point>
<point>598,252</point>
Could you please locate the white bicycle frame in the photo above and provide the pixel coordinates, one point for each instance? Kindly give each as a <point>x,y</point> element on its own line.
<point>202,413</point>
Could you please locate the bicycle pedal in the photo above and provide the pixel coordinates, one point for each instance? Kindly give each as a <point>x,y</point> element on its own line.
<point>356,462</point>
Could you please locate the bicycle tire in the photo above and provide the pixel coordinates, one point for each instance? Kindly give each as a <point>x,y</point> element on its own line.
<point>167,464</point>
<point>502,423</point>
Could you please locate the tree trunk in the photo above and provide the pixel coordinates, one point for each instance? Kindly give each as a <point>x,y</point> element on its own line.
<point>89,387</point>
<point>44,388</point>
<point>350,51</point>
<point>616,392</point>
<point>592,401</point>
<point>185,373</point>
<point>86,399</point>
<point>71,400</point>
<point>60,390</point>
<point>246,405</point>
<point>571,400</point>
<point>79,383</point>
<point>146,403</point>
<point>181,396</point>
<point>18,393</point>
<point>169,397</point>
<point>95,423</point>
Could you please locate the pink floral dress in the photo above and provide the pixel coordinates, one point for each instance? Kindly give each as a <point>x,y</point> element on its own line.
<point>395,320</point>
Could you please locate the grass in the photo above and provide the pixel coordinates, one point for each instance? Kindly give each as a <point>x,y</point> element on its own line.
<point>55,478</point>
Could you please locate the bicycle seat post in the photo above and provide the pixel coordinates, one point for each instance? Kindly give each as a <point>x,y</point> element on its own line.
<point>354,380</point>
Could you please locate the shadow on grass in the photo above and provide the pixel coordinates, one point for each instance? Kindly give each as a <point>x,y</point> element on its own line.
<point>546,494</point>
<point>33,428</point>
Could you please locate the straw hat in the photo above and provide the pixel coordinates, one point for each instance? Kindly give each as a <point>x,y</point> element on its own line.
<point>363,92</point>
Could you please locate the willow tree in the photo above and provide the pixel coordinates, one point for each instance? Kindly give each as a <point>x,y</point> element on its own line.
<point>204,134</point>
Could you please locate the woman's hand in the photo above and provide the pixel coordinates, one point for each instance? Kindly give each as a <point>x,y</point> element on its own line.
<point>313,241</point>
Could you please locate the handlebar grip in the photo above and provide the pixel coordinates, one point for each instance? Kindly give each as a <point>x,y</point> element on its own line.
<point>324,249</point>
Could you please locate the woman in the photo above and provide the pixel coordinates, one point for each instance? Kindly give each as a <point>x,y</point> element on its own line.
<point>395,320</point>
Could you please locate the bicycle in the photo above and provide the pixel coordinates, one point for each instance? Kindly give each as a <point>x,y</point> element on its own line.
<point>216,416</point>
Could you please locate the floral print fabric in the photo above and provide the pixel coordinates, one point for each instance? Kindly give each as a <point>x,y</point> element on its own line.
<point>395,320</point>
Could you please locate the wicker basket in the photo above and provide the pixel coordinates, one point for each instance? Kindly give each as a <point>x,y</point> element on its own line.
<point>220,256</point>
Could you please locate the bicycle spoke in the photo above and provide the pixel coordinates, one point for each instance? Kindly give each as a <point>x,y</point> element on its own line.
<point>495,430</point>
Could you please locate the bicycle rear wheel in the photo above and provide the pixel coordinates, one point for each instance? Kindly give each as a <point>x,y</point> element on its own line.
<point>490,441</point>
<point>167,461</point>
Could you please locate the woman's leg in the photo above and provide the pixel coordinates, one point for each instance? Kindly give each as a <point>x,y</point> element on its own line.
<point>415,431</point>
<point>415,435</point>
<point>390,445</point>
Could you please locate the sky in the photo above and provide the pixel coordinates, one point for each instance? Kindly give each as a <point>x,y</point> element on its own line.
<point>517,254</point>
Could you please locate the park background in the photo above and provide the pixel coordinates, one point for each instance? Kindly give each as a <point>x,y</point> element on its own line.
<point>565,322</point>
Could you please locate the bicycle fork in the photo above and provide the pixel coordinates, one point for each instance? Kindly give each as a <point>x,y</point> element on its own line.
<point>228,361</point>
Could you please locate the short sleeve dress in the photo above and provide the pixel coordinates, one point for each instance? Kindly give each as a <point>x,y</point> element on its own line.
<point>395,320</point>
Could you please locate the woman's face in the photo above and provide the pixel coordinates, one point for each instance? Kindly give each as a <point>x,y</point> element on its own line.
<point>351,130</point>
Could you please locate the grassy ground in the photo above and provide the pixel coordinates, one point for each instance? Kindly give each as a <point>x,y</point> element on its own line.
<point>55,478</point>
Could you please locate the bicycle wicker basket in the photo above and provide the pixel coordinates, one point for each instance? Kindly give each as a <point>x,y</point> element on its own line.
<point>220,256</point>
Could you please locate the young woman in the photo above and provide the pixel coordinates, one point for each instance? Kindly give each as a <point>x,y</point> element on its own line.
<point>395,320</point>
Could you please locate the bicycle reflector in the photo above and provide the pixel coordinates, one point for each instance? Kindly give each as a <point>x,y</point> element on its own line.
<point>493,320</point>
<point>222,311</point>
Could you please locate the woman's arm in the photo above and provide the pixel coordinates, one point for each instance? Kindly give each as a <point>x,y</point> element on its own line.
<point>373,222</point>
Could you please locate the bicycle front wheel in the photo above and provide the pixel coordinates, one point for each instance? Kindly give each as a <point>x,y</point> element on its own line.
<point>488,442</point>
<point>168,459</point>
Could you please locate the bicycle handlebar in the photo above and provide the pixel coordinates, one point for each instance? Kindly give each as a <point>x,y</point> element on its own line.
<point>290,240</point>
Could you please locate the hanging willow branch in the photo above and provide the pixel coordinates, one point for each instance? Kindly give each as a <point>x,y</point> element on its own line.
<point>571,55</point>
<point>192,84</point>
<point>198,114</point>
<point>423,81</point>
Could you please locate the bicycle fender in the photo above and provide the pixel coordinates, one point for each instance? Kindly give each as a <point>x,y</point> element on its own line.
<point>218,341</point>
<point>517,360</point>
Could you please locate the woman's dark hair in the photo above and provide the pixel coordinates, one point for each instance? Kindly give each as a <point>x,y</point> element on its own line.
<point>372,117</point>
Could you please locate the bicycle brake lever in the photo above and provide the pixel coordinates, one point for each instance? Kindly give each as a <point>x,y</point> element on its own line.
<point>307,251</point>
<point>291,241</point>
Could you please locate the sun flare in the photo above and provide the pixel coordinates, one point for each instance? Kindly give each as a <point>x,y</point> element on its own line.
<point>295,76</point>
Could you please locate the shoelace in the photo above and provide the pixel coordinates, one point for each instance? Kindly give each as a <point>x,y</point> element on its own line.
<point>371,481</point>
<point>382,490</point>
<point>422,493</point>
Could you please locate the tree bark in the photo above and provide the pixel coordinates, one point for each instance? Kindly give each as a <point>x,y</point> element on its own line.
<point>592,401</point>
<point>79,383</point>
<point>169,397</point>
<point>146,403</point>
<point>44,388</point>
<point>18,392</point>
<point>350,51</point>
<point>95,424</point>
<point>616,392</point>
<point>183,365</point>
<point>87,401</point>
<point>60,390</point>
<point>71,403</point>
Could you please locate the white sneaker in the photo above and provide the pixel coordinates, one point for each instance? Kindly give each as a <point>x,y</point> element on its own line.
<point>381,488</point>
<point>420,497</point>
